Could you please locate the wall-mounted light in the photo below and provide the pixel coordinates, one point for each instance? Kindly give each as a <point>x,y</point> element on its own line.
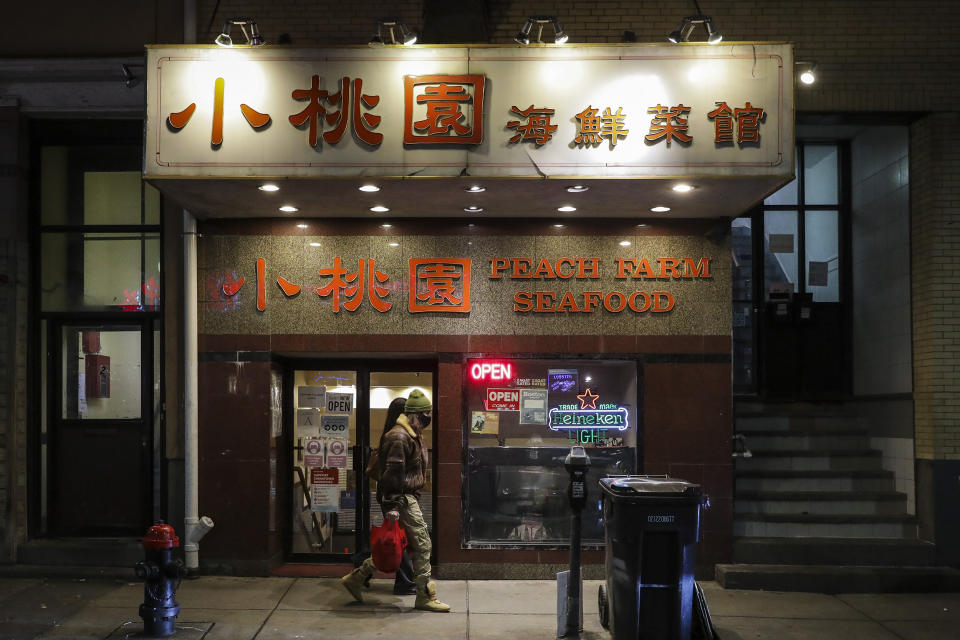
<point>393,28</point>
<point>806,71</point>
<point>247,25</point>
<point>689,23</point>
<point>559,35</point>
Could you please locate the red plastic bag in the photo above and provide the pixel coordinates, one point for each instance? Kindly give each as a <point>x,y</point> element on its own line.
<point>386,545</point>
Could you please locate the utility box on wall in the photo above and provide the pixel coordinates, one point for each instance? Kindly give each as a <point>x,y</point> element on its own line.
<point>97,376</point>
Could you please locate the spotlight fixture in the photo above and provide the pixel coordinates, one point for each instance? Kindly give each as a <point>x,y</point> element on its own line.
<point>389,25</point>
<point>289,208</point>
<point>379,209</point>
<point>559,35</point>
<point>369,188</point>
<point>683,188</point>
<point>473,209</point>
<point>660,209</point>
<point>806,70</point>
<point>314,244</point>
<point>248,26</point>
<point>566,208</point>
<point>268,187</point>
<point>386,225</point>
<point>689,23</point>
<point>558,226</point>
<point>394,244</point>
<point>578,188</point>
<point>475,189</point>
<point>301,226</point>
<point>624,243</point>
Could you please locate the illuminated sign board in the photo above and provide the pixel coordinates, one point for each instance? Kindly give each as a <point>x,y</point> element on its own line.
<point>491,371</point>
<point>562,418</point>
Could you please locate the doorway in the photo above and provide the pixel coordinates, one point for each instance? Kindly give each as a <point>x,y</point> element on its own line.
<point>103,398</point>
<point>336,413</point>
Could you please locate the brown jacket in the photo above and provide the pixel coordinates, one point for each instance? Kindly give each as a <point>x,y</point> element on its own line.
<point>404,463</point>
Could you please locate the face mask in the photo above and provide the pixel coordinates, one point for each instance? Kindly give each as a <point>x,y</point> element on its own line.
<point>424,422</point>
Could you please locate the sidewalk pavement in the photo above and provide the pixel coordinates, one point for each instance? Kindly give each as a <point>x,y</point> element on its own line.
<point>229,608</point>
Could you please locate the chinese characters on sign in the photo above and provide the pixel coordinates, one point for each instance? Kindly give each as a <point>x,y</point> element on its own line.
<point>440,285</point>
<point>449,109</point>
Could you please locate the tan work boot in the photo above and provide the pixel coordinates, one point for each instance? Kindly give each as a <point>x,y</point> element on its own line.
<point>427,597</point>
<point>354,581</point>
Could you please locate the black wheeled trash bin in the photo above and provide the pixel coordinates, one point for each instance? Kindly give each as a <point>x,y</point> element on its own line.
<point>652,525</point>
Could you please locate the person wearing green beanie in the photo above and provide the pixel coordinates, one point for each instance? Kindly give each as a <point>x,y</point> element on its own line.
<point>403,465</point>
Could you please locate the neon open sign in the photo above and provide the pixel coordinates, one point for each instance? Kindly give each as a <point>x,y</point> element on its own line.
<point>491,371</point>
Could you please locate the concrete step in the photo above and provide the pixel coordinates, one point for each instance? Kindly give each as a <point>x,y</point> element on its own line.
<point>838,579</point>
<point>779,422</point>
<point>810,440</point>
<point>824,526</point>
<point>93,552</point>
<point>801,460</point>
<point>820,502</point>
<point>786,480</point>
<point>834,551</point>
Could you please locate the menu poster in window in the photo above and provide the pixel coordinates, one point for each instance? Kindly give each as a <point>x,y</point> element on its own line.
<point>325,490</point>
<point>485,422</point>
<point>533,406</point>
<point>313,452</point>
<point>311,396</point>
<point>563,385</point>
<point>339,402</point>
<point>308,422</point>
<point>334,426</point>
<point>337,453</point>
<point>819,274</point>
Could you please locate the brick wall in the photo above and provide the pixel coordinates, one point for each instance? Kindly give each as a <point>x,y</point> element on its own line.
<point>935,234</point>
<point>872,55</point>
<point>13,330</point>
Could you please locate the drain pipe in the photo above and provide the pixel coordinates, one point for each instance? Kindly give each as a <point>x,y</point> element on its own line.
<point>195,527</point>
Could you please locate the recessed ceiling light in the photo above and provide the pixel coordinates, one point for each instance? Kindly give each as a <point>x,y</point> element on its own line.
<point>386,225</point>
<point>559,226</point>
<point>288,208</point>
<point>268,187</point>
<point>682,188</point>
<point>565,208</point>
<point>370,188</point>
<point>624,243</point>
<point>471,225</point>
<point>475,189</point>
<point>314,244</point>
<point>641,225</point>
<point>659,209</point>
<point>473,209</point>
<point>577,188</point>
<point>394,244</point>
<point>301,226</point>
<point>379,208</point>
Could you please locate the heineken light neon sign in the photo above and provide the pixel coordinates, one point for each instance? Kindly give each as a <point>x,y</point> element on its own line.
<point>589,415</point>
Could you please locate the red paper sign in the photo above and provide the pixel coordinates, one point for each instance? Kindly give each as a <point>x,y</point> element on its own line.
<point>503,400</point>
<point>324,476</point>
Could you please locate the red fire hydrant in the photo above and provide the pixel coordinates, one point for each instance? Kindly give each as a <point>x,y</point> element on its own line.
<point>161,575</point>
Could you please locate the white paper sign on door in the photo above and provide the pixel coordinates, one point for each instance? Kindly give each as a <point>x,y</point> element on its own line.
<point>313,452</point>
<point>311,396</point>
<point>308,422</point>
<point>334,426</point>
<point>336,453</point>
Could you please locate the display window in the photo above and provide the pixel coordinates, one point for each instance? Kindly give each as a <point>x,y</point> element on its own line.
<point>522,417</point>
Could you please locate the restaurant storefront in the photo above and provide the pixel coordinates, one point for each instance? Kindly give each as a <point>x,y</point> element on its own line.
<point>536,239</point>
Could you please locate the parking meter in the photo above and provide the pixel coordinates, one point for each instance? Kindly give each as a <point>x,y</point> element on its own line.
<point>569,583</point>
<point>577,463</point>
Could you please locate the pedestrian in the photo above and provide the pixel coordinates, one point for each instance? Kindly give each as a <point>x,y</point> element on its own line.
<point>403,583</point>
<point>403,462</point>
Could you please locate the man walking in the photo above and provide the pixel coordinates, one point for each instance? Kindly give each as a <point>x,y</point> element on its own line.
<point>403,474</point>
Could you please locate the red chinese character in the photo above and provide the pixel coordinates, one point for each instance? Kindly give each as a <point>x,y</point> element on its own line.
<point>359,122</point>
<point>434,288</point>
<point>748,123</point>
<point>613,125</point>
<point>722,118</point>
<point>179,119</point>
<point>537,128</point>
<point>588,126</point>
<point>445,97</point>
<point>341,283</point>
<point>313,111</point>
<point>669,123</point>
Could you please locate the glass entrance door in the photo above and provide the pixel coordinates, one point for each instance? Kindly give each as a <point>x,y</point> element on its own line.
<point>338,412</point>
